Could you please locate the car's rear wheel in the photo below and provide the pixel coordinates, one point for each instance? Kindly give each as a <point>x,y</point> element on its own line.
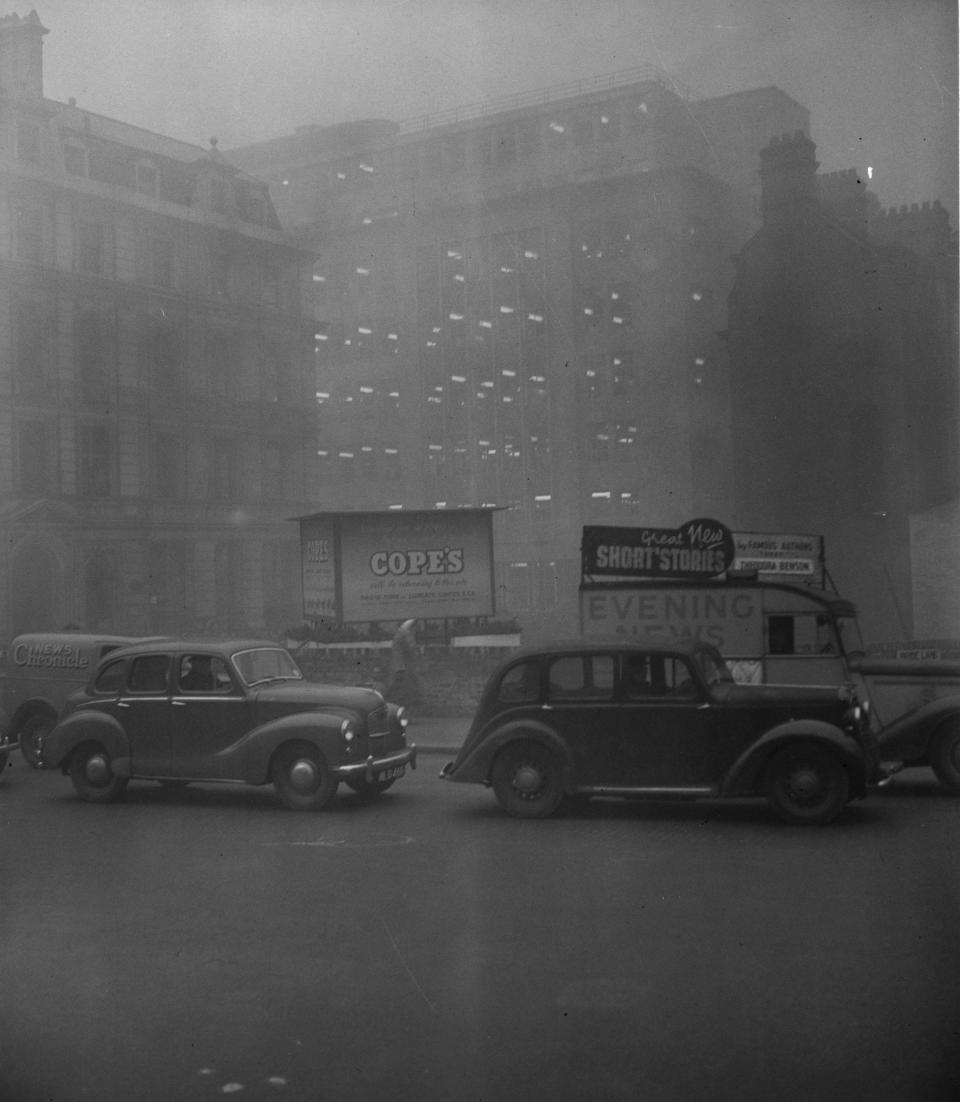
<point>945,756</point>
<point>527,779</point>
<point>369,790</point>
<point>807,784</point>
<point>93,777</point>
<point>36,728</point>
<point>302,778</point>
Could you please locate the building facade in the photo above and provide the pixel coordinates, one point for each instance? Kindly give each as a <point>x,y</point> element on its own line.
<point>156,375</point>
<point>842,341</point>
<point>520,306</point>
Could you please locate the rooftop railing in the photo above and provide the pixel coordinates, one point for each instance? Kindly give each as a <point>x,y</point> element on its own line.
<point>551,94</point>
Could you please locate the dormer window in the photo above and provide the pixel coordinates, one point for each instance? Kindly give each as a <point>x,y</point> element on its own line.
<point>147,178</point>
<point>28,142</point>
<point>75,160</point>
<point>218,196</point>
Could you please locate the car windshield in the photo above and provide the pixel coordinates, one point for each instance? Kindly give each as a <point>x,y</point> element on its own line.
<point>266,664</point>
<point>713,667</point>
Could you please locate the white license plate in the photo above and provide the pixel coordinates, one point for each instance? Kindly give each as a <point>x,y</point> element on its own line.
<point>392,773</point>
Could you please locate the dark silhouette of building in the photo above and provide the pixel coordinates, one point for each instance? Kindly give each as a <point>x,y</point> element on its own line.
<point>843,363</point>
<point>156,376</point>
<point>520,305</point>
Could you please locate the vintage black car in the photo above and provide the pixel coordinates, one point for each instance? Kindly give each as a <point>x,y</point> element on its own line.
<point>177,712</point>
<point>615,718</point>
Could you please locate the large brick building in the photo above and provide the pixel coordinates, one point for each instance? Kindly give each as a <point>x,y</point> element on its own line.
<point>156,377</point>
<point>521,305</point>
<point>843,355</point>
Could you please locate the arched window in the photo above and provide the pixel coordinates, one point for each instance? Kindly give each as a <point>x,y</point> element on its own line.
<point>93,352</point>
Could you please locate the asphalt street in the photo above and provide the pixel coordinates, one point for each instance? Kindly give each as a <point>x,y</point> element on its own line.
<point>206,942</point>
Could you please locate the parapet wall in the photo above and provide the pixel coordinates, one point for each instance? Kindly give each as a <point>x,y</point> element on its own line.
<point>922,227</point>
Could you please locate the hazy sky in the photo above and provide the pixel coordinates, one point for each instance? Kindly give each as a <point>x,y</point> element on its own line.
<point>879,76</point>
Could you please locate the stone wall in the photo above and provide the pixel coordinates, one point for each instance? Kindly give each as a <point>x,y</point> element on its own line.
<point>452,678</point>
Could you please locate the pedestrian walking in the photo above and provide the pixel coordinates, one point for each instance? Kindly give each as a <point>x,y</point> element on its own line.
<point>404,687</point>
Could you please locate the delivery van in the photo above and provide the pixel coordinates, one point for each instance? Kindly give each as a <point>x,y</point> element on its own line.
<point>37,672</point>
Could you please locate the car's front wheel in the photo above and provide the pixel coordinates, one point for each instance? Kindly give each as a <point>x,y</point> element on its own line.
<point>527,779</point>
<point>945,756</point>
<point>93,777</point>
<point>31,734</point>
<point>807,784</point>
<point>302,778</point>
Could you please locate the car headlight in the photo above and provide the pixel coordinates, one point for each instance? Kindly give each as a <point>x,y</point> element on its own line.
<point>402,717</point>
<point>348,730</point>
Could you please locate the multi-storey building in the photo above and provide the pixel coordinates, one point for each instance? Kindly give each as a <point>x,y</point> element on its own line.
<point>156,377</point>
<point>520,305</point>
<point>843,353</point>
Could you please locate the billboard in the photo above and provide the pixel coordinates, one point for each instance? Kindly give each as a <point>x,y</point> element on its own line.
<point>429,564</point>
<point>780,555</point>
<point>698,549</point>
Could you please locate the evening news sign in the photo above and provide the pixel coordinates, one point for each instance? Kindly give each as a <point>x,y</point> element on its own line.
<point>362,567</point>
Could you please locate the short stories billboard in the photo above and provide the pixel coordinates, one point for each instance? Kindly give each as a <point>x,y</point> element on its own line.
<point>362,567</point>
<point>698,549</point>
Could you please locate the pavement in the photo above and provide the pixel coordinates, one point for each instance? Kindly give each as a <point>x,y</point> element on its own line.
<point>438,734</point>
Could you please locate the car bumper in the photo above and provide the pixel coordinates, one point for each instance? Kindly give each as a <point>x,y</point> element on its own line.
<point>371,768</point>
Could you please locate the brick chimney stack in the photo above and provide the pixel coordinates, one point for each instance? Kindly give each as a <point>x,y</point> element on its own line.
<point>21,56</point>
<point>788,178</point>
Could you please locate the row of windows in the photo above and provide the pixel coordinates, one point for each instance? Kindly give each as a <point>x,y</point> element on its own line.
<point>219,470</point>
<point>169,180</point>
<point>176,583</point>
<point>230,366</point>
<point>499,144</point>
<point>161,260</point>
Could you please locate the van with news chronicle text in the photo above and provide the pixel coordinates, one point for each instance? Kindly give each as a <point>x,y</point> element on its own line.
<point>37,673</point>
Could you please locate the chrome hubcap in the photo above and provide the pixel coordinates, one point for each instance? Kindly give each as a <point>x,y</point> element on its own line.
<point>97,769</point>
<point>806,783</point>
<point>304,775</point>
<point>527,780</point>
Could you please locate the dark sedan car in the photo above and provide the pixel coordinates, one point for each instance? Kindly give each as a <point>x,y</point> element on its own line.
<point>593,718</point>
<point>177,712</point>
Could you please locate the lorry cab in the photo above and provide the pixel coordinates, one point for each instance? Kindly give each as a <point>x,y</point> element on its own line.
<point>769,632</point>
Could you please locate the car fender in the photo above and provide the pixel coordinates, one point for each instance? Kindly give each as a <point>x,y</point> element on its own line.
<point>36,706</point>
<point>478,764</point>
<point>745,777</point>
<point>87,726</point>
<point>909,737</point>
<point>319,729</point>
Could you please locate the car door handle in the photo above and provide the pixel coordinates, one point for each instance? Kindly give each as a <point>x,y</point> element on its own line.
<point>179,703</point>
<point>123,703</point>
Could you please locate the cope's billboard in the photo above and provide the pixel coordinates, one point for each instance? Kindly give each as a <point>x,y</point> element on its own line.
<point>360,567</point>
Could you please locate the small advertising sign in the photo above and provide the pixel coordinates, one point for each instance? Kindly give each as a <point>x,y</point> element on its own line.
<point>317,542</point>
<point>779,555</point>
<point>698,549</point>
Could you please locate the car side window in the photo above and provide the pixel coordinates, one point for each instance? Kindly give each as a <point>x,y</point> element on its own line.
<point>679,680</point>
<point>582,677</point>
<point>642,677</point>
<point>110,678</point>
<point>520,684</point>
<point>203,673</point>
<point>148,673</point>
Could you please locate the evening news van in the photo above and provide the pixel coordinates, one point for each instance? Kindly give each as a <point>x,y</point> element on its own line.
<point>37,672</point>
<point>778,633</point>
